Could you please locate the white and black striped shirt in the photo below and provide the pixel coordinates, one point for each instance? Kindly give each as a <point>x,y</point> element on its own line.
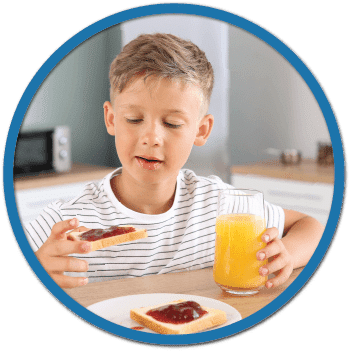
<point>183,238</point>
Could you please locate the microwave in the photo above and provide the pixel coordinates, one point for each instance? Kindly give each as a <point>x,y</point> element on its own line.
<point>44,151</point>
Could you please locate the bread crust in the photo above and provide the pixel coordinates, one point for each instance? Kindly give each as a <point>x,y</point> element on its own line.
<point>213,318</point>
<point>113,240</point>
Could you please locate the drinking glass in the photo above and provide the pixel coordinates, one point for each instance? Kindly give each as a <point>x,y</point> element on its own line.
<point>240,224</point>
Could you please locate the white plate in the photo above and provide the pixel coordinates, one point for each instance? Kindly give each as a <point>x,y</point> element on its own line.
<point>117,310</point>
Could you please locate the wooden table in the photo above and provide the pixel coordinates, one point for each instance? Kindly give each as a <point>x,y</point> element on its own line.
<point>198,282</point>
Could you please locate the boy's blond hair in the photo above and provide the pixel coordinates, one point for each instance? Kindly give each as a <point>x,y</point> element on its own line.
<point>163,56</point>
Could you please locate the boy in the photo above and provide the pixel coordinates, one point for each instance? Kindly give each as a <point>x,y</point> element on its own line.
<point>160,93</point>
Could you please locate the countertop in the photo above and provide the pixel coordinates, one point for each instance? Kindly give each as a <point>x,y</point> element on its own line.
<point>78,173</point>
<point>307,170</point>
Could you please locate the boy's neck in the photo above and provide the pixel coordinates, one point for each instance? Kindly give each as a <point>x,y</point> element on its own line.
<point>155,199</point>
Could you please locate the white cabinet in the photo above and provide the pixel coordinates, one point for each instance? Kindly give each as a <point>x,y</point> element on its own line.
<point>311,198</point>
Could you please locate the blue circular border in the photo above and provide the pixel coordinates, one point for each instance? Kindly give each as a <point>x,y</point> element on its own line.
<point>270,39</point>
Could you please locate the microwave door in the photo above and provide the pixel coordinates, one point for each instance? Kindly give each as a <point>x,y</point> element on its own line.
<point>33,153</point>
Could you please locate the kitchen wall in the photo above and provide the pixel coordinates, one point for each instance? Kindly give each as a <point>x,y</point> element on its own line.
<point>270,105</point>
<point>73,94</point>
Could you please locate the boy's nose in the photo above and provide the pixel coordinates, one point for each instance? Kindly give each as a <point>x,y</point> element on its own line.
<point>152,135</point>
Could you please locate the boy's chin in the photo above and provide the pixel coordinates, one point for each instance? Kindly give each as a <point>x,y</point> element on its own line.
<point>153,177</point>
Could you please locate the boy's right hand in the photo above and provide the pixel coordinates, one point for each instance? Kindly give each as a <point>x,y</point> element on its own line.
<point>53,255</point>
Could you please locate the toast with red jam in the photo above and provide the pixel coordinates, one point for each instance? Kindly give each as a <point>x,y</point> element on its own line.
<point>178,317</point>
<point>101,238</point>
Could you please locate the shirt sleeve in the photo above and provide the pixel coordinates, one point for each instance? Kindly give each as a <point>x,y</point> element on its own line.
<point>275,217</point>
<point>38,230</point>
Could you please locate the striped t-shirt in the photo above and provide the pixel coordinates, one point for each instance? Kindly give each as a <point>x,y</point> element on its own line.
<point>183,238</point>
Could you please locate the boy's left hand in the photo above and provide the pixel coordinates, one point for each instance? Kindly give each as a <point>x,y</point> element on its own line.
<point>280,261</point>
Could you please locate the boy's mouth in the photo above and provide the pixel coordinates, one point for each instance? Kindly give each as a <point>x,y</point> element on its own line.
<point>149,163</point>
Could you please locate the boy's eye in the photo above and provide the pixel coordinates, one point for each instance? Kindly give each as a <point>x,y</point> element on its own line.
<point>139,120</point>
<point>171,125</point>
<point>134,120</point>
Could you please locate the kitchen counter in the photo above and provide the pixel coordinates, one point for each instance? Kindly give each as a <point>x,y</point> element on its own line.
<point>78,173</point>
<point>307,171</point>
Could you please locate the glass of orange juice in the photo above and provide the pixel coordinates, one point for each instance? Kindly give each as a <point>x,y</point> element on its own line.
<point>240,224</point>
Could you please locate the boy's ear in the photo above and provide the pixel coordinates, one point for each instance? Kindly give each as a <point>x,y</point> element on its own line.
<point>109,116</point>
<point>204,130</point>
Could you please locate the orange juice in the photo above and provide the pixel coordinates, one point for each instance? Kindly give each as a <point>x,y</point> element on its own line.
<point>238,238</point>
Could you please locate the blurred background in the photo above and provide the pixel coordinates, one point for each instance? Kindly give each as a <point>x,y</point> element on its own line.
<point>262,107</point>
<point>258,94</point>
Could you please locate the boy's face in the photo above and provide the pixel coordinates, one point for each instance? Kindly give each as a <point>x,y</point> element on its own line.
<point>155,124</point>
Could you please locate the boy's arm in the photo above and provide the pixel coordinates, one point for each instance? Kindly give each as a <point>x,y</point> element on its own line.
<point>301,236</point>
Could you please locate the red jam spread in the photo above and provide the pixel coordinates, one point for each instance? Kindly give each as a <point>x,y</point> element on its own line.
<point>97,234</point>
<point>137,328</point>
<point>179,313</point>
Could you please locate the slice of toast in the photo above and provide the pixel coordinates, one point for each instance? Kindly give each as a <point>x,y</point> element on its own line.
<point>211,319</point>
<point>94,235</point>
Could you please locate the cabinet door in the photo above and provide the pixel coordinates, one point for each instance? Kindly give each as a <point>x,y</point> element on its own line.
<point>313,199</point>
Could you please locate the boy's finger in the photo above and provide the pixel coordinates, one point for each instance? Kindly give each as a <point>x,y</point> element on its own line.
<point>67,282</point>
<point>67,247</point>
<point>281,278</point>
<point>59,230</point>
<point>275,248</point>
<point>66,264</point>
<point>274,266</point>
<point>270,234</point>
